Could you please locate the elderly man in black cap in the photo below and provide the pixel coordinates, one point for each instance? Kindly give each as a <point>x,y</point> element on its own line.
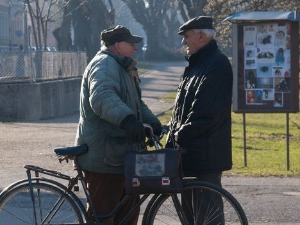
<point>111,122</point>
<point>201,119</point>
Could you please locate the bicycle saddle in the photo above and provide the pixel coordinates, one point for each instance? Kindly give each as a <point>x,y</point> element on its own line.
<point>72,150</point>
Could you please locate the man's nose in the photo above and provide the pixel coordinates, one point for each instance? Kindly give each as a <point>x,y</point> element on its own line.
<point>183,42</point>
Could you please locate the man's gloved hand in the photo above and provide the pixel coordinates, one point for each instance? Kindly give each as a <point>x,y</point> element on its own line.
<point>156,129</point>
<point>134,128</point>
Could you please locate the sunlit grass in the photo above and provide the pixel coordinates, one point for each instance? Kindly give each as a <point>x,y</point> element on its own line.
<point>266,144</point>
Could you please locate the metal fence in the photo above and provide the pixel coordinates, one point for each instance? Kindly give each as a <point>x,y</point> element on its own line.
<point>40,66</point>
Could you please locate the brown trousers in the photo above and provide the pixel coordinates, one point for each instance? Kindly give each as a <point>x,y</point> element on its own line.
<point>106,191</point>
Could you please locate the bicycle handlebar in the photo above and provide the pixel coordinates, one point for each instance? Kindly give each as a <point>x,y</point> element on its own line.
<point>155,139</point>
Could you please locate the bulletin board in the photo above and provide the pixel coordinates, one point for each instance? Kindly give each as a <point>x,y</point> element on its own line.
<point>266,67</point>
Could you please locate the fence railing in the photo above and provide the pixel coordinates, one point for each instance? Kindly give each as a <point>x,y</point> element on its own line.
<point>39,66</point>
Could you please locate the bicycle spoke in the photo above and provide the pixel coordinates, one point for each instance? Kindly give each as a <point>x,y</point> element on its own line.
<point>52,206</point>
<point>198,204</point>
<point>53,211</point>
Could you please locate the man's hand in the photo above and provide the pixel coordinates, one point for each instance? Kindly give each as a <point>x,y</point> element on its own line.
<point>134,128</point>
<point>156,129</point>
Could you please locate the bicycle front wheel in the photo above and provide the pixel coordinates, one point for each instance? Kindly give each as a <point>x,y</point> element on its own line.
<point>46,205</point>
<point>199,203</point>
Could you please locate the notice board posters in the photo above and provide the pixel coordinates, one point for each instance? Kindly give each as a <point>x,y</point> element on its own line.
<point>268,68</point>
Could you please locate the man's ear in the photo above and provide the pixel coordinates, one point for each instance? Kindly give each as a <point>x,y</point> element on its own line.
<point>201,36</point>
<point>118,47</point>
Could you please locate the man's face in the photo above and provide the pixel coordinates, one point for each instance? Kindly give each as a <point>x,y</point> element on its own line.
<point>126,49</point>
<point>191,40</point>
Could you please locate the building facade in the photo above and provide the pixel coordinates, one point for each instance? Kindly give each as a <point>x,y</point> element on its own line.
<point>4,25</point>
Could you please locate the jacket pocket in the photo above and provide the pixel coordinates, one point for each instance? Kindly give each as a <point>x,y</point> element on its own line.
<point>115,149</point>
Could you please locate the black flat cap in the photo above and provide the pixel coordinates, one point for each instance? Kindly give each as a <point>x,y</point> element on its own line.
<point>201,22</point>
<point>118,34</point>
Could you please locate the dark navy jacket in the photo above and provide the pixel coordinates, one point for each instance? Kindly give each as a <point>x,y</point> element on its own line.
<point>201,120</point>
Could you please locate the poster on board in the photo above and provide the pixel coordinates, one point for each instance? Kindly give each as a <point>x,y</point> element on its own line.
<point>266,64</point>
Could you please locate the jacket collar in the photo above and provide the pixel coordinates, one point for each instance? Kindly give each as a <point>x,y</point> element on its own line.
<point>127,63</point>
<point>212,45</point>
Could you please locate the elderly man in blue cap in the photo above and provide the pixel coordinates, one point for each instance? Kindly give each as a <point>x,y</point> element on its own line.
<point>201,119</point>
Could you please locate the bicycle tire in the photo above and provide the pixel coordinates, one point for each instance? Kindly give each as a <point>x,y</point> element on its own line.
<point>148,207</point>
<point>206,208</point>
<point>52,206</point>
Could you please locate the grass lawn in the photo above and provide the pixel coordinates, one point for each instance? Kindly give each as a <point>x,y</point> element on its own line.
<point>265,143</point>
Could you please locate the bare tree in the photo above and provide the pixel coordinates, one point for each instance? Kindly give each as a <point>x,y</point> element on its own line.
<point>63,33</point>
<point>150,14</point>
<point>172,24</point>
<point>85,19</point>
<point>191,8</point>
<point>41,13</point>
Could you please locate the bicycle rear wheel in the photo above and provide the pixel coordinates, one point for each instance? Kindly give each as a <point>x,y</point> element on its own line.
<point>52,206</point>
<point>199,203</point>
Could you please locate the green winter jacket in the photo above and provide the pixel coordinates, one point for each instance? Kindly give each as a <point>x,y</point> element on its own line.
<point>109,93</point>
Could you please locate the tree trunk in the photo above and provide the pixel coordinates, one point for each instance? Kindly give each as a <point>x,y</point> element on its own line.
<point>63,34</point>
<point>152,48</point>
<point>88,19</point>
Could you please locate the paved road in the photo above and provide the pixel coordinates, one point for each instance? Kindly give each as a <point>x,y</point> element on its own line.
<point>158,82</point>
<point>269,200</point>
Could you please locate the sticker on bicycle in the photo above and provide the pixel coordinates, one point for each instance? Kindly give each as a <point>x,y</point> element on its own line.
<point>150,165</point>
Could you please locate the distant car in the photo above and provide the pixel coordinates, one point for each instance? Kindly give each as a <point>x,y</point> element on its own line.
<point>51,49</point>
<point>31,48</point>
<point>144,48</point>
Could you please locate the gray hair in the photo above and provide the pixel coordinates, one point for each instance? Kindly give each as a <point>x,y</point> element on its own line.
<point>210,33</point>
<point>103,46</point>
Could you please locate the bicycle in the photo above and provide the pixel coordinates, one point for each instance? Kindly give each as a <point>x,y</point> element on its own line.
<point>40,200</point>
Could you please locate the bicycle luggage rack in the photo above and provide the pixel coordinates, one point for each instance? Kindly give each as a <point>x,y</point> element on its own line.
<point>47,172</point>
<point>63,153</point>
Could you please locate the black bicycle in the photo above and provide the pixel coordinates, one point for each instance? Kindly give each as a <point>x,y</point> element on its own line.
<point>42,198</point>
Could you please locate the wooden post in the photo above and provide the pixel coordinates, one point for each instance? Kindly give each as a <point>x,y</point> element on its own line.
<point>287,142</point>
<point>244,138</point>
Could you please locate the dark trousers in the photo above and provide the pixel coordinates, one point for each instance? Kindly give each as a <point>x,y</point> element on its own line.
<point>106,191</point>
<point>208,202</point>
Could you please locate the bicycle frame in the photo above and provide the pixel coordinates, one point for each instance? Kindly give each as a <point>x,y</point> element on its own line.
<point>66,191</point>
<point>73,181</point>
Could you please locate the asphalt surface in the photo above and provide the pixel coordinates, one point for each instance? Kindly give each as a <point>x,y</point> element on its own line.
<point>267,200</point>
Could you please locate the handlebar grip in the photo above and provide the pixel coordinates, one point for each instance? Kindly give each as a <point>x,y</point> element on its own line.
<point>152,136</point>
